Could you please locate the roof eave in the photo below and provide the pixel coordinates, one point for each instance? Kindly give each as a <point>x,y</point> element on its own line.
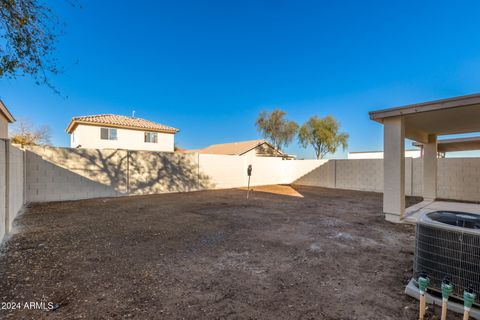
<point>259,144</point>
<point>462,101</point>
<point>74,123</point>
<point>6,112</point>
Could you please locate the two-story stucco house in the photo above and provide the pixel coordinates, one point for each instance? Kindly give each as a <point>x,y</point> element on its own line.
<point>110,131</point>
<point>5,118</point>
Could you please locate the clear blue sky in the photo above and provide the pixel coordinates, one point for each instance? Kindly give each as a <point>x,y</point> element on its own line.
<point>209,67</point>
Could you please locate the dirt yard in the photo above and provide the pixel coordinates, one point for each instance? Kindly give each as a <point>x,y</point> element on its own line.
<point>287,253</point>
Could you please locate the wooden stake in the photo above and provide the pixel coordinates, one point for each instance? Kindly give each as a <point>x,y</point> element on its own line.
<point>422,307</point>
<point>444,309</point>
<point>466,315</point>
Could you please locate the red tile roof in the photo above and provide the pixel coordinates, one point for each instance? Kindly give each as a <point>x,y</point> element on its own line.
<point>118,121</point>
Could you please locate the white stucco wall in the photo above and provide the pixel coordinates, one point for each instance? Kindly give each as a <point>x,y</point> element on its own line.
<point>89,137</point>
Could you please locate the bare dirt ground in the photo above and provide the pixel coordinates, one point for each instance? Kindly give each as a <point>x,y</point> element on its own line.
<point>301,253</point>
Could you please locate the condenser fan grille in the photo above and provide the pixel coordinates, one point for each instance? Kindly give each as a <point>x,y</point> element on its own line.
<point>444,251</point>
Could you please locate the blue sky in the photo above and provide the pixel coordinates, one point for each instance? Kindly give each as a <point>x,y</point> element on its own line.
<point>209,67</point>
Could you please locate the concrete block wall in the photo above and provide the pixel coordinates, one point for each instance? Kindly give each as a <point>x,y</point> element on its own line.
<point>46,181</point>
<point>321,176</point>
<point>67,174</point>
<point>361,174</point>
<point>353,174</point>
<point>459,178</point>
<point>3,189</point>
<point>417,177</point>
<point>107,167</point>
<point>223,171</point>
<point>16,182</point>
<point>160,172</point>
<point>12,185</point>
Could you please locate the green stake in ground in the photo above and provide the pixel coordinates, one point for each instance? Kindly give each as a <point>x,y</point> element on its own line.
<point>447,289</point>
<point>423,282</point>
<point>468,300</point>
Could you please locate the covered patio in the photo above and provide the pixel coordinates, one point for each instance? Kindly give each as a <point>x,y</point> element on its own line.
<point>423,123</point>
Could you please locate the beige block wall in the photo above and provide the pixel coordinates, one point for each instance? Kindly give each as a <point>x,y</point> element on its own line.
<point>322,176</point>
<point>47,181</point>
<point>160,172</point>
<point>297,169</point>
<point>12,185</point>
<point>417,177</point>
<point>353,174</point>
<point>459,178</point>
<point>361,174</point>
<point>267,170</point>
<point>3,127</point>
<point>223,171</point>
<point>3,189</point>
<point>66,174</point>
<point>107,167</point>
<point>16,180</point>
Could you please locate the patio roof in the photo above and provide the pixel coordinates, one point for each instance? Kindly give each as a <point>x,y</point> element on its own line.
<point>422,122</point>
<point>439,117</point>
<point>457,144</point>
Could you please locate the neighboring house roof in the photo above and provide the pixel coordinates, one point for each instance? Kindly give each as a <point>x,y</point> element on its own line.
<point>6,113</point>
<point>235,148</point>
<point>118,121</point>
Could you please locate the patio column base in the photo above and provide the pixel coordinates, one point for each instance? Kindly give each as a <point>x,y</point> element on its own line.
<point>391,217</point>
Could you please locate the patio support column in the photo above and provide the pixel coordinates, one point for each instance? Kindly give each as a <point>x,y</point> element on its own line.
<point>394,168</point>
<point>430,168</point>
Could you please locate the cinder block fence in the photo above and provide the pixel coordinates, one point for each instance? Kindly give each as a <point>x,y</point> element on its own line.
<point>12,185</point>
<point>55,174</point>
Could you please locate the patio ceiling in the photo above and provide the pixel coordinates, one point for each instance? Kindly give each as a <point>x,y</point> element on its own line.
<point>440,117</point>
<point>458,144</point>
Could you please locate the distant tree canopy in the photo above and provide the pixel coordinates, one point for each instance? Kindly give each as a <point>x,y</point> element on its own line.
<point>275,128</point>
<point>28,30</point>
<point>323,135</point>
<point>26,134</point>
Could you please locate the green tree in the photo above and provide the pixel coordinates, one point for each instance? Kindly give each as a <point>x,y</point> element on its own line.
<point>28,30</point>
<point>323,135</point>
<point>275,128</point>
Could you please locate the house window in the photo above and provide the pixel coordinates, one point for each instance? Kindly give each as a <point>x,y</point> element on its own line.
<point>108,134</point>
<point>151,137</point>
